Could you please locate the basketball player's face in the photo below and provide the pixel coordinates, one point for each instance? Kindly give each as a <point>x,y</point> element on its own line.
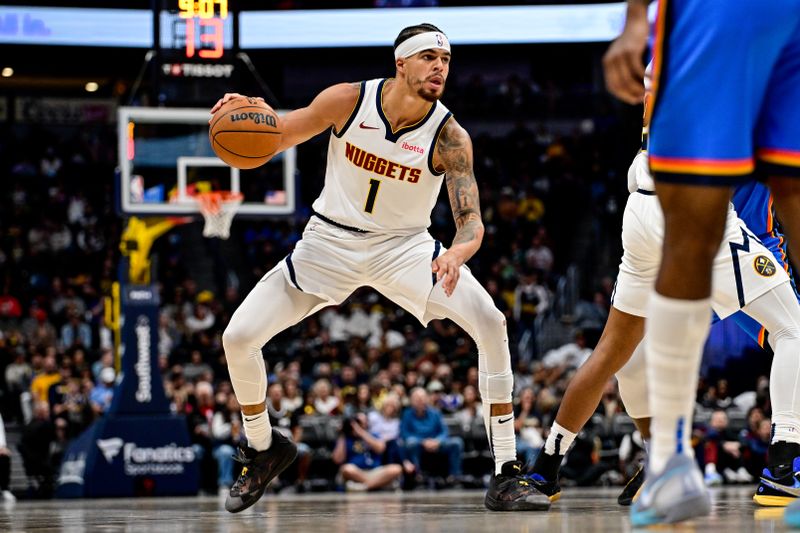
<point>426,73</point>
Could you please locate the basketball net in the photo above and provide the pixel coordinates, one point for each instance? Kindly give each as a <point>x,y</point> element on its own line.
<point>218,209</point>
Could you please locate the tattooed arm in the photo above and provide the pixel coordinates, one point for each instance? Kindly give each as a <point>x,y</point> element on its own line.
<point>454,156</point>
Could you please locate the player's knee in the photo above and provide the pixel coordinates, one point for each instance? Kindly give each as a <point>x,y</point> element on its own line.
<point>633,392</point>
<point>236,339</point>
<point>494,318</point>
<point>496,387</point>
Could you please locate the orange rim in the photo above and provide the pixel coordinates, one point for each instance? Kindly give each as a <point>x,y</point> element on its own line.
<point>212,202</point>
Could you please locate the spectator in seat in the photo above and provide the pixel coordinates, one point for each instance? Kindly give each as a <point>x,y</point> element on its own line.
<point>423,431</point>
<point>196,368</point>
<point>755,444</point>
<point>359,453</point>
<point>76,332</point>
<point>325,403</point>
<point>35,447</point>
<point>226,430</point>
<point>103,392</point>
<point>292,398</point>
<point>722,453</point>
<point>385,424</point>
<point>528,427</point>
<point>49,376</point>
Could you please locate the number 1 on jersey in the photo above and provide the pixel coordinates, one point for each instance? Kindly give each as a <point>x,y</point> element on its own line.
<point>374,185</point>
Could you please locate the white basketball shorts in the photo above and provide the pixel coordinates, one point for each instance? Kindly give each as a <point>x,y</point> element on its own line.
<point>743,269</point>
<point>330,262</point>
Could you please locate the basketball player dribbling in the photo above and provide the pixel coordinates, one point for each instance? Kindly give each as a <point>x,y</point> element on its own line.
<point>391,145</point>
<point>726,104</point>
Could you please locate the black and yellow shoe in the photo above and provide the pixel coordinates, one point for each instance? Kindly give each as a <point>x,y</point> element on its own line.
<point>510,490</point>
<point>551,489</point>
<point>768,496</point>
<point>779,485</point>
<point>780,481</point>
<point>259,469</point>
<point>632,489</point>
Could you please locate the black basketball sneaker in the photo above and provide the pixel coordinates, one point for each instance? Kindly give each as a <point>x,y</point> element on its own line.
<point>551,489</point>
<point>259,469</point>
<point>510,490</point>
<point>631,490</point>
<point>780,481</point>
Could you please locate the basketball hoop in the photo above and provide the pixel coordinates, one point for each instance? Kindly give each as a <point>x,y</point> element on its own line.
<point>218,209</point>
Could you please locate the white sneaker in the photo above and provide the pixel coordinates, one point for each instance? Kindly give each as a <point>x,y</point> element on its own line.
<point>743,475</point>
<point>8,497</point>
<point>712,477</point>
<point>355,486</point>
<point>674,495</point>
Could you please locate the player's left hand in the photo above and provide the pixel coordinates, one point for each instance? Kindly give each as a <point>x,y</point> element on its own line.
<point>447,266</point>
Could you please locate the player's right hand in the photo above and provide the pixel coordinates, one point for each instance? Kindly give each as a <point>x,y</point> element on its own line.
<point>622,63</point>
<point>227,98</point>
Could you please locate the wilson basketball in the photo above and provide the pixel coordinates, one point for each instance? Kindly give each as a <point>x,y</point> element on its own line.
<point>245,133</point>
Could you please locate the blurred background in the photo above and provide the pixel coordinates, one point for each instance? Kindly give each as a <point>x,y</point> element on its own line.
<point>552,150</point>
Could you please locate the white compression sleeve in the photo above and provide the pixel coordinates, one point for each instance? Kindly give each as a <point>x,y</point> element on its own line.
<point>472,308</point>
<point>779,312</point>
<point>272,306</point>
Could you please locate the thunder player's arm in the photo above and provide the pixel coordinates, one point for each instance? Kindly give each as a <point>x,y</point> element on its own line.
<point>453,155</point>
<point>331,107</point>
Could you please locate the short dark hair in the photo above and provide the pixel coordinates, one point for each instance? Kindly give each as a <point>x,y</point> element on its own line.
<point>410,31</point>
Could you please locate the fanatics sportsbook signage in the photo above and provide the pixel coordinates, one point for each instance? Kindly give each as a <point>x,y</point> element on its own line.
<point>138,448</point>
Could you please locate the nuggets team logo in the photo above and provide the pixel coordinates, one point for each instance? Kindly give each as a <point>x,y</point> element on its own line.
<point>764,266</point>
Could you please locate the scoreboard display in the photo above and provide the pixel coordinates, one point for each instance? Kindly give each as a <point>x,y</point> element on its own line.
<point>196,38</point>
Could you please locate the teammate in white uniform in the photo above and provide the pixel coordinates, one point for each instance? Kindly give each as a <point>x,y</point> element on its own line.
<point>745,277</point>
<point>392,142</point>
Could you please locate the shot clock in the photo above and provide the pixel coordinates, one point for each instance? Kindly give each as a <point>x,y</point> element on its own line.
<point>196,38</point>
<point>204,31</point>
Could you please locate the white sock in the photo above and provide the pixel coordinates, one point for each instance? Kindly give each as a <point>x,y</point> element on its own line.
<point>504,442</point>
<point>785,428</point>
<point>258,430</point>
<point>676,330</point>
<point>559,440</point>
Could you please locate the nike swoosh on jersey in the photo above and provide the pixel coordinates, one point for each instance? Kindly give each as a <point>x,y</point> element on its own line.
<point>501,421</point>
<point>365,127</point>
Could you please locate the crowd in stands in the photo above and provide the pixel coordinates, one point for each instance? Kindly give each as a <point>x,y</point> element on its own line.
<point>373,398</point>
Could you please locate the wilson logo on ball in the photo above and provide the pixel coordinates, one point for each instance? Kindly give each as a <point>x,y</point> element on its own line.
<point>256,118</point>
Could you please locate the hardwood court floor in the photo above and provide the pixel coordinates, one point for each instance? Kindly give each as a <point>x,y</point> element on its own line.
<point>579,510</point>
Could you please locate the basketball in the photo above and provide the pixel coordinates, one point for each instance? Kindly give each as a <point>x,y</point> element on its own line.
<point>245,133</point>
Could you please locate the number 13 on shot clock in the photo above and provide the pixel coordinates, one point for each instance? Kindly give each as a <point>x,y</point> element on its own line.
<point>204,26</point>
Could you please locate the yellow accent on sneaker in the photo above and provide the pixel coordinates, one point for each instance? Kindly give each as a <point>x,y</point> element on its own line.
<point>773,501</point>
<point>244,471</point>
<point>638,492</point>
<point>555,497</point>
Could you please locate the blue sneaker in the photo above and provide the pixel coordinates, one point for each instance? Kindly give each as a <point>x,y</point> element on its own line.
<point>791,516</point>
<point>678,493</point>
<point>779,485</point>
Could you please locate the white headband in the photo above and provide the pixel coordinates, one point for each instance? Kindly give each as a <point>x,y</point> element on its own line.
<point>420,42</point>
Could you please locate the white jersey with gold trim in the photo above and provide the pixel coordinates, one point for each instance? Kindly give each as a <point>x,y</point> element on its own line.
<point>378,179</point>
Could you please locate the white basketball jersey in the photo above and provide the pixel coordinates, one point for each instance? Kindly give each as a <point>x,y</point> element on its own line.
<point>381,180</point>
